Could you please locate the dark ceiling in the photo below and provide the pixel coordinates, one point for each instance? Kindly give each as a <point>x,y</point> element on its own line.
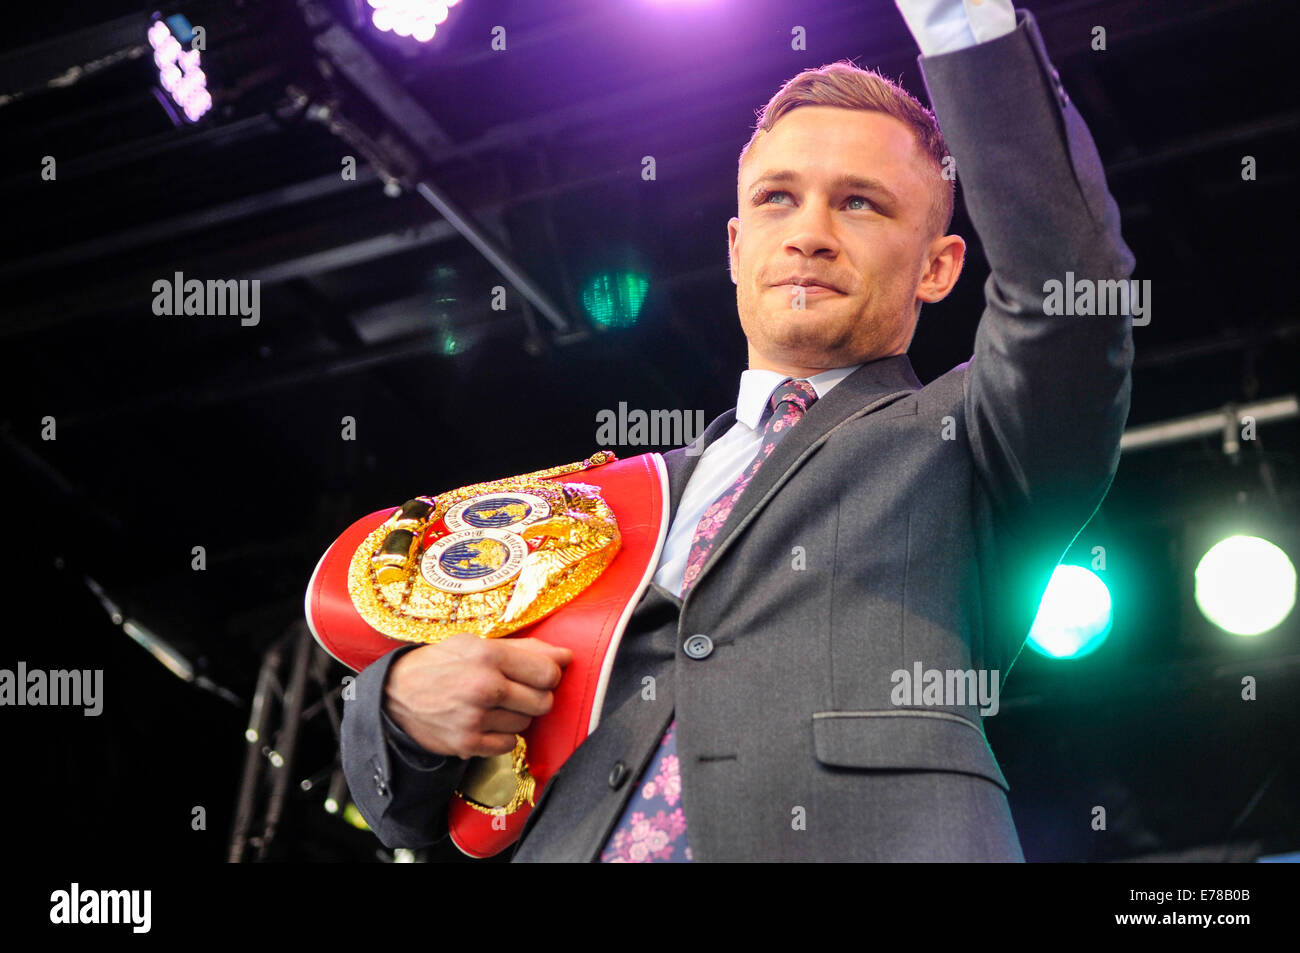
<point>181,431</point>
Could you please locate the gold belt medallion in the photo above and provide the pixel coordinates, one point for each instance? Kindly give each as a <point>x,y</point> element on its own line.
<point>489,558</point>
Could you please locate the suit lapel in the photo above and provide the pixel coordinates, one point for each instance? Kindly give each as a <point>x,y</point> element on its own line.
<point>867,389</point>
<point>681,462</point>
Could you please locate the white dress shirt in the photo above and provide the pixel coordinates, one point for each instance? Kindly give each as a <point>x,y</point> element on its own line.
<point>724,460</point>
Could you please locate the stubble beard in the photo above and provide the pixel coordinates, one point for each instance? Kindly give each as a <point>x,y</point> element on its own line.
<point>803,337</point>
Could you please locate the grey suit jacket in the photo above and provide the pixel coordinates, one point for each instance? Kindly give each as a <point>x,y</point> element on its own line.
<point>896,524</point>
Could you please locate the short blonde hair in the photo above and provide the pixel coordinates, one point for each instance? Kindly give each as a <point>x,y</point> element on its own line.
<point>848,86</point>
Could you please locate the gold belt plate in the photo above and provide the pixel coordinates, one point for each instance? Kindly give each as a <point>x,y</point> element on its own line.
<point>489,558</point>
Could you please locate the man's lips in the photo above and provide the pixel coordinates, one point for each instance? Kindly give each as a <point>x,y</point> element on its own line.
<point>809,284</point>
<point>808,289</point>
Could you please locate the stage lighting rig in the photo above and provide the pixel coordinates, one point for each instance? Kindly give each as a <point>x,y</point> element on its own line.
<point>180,74</point>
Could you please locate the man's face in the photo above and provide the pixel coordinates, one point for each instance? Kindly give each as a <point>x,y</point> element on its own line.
<point>841,197</point>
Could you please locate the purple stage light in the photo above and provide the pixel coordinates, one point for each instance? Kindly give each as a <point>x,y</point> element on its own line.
<point>179,72</point>
<point>418,19</point>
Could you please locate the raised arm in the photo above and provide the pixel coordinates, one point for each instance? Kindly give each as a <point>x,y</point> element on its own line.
<point>1047,389</point>
<point>1047,392</point>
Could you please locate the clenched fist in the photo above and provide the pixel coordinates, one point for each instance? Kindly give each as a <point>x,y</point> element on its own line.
<point>468,697</point>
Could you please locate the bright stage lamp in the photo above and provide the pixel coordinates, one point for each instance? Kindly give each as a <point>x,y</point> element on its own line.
<point>179,72</point>
<point>418,19</point>
<point>1074,616</point>
<point>1245,585</point>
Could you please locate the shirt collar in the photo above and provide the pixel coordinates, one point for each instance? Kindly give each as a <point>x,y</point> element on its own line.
<point>756,389</point>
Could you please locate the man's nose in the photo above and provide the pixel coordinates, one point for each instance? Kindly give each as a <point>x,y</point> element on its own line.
<point>812,232</point>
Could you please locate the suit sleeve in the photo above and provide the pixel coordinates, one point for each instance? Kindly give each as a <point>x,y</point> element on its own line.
<point>401,790</point>
<point>1046,395</point>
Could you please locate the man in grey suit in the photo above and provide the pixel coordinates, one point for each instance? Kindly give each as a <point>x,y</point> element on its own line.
<point>890,527</point>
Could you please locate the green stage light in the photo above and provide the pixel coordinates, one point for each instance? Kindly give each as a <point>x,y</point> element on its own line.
<point>614,299</point>
<point>1074,616</point>
<point>1245,585</point>
<point>448,344</point>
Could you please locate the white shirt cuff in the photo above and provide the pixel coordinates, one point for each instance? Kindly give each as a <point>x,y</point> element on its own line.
<point>942,26</point>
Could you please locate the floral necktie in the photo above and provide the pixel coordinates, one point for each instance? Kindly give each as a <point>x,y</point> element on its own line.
<point>653,825</point>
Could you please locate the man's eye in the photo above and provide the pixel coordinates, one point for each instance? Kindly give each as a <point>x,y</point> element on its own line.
<point>766,197</point>
<point>866,201</point>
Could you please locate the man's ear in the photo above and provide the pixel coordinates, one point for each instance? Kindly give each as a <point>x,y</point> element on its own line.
<point>733,233</point>
<point>942,268</point>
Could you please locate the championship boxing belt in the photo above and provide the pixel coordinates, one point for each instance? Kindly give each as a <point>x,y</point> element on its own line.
<point>561,555</point>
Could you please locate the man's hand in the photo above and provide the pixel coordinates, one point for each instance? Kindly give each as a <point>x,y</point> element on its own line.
<point>467,697</point>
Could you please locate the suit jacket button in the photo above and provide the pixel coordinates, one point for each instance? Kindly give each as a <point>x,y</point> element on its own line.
<point>698,646</point>
<point>617,775</point>
<point>380,787</point>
